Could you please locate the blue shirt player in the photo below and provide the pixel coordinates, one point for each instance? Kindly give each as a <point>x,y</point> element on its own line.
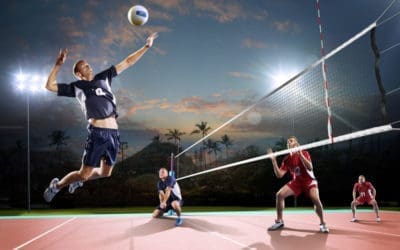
<point>97,101</point>
<point>170,196</point>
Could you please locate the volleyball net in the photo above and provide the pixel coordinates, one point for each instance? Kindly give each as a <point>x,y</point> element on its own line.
<point>342,96</point>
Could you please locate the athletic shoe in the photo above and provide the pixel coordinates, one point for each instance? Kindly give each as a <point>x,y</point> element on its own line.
<point>378,219</point>
<point>276,226</point>
<point>323,228</point>
<point>179,221</point>
<point>354,219</point>
<point>51,190</point>
<point>74,185</point>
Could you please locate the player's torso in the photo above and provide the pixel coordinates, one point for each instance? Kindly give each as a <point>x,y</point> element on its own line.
<point>96,98</point>
<point>364,189</point>
<point>297,168</point>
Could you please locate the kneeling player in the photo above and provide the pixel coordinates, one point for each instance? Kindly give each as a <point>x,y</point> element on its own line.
<point>170,196</point>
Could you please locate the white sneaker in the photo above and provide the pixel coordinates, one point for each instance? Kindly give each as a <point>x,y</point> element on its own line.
<point>278,224</point>
<point>354,219</point>
<point>51,190</point>
<point>74,185</point>
<point>323,228</point>
<point>378,219</point>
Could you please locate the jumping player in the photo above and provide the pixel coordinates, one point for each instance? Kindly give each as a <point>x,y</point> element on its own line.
<point>99,106</point>
<point>303,181</point>
<point>366,194</point>
<point>170,196</point>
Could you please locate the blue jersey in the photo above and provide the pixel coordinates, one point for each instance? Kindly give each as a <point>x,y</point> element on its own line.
<point>95,96</point>
<point>170,182</point>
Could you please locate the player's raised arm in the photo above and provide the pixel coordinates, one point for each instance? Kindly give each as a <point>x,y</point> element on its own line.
<point>135,56</point>
<point>278,172</point>
<point>51,83</point>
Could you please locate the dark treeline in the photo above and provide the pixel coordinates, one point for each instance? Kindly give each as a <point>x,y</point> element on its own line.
<point>134,180</point>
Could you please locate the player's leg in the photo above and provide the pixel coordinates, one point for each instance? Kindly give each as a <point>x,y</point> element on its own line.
<point>176,205</point>
<point>105,170</point>
<point>374,204</point>
<point>82,175</point>
<point>281,195</point>
<point>319,210</point>
<point>157,213</point>
<point>55,185</point>
<point>354,205</point>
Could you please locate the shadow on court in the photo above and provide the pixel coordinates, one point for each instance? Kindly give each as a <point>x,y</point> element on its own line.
<point>303,238</point>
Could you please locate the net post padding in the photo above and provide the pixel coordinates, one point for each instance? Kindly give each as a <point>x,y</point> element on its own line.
<point>342,138</point>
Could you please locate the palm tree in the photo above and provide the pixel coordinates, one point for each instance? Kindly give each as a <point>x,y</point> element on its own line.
<point>227,142</point>
<point>213,147</point>
<point>175,134</point>
<point>202,128</point>
<point>58,138</point>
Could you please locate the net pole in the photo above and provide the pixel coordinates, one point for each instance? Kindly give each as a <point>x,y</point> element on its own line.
<point>341,138</point>
<point>262,99</point>
<point>324,76</point>
<point>171,172</point>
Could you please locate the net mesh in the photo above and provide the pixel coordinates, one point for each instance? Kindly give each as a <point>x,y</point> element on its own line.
<point>299,109</point>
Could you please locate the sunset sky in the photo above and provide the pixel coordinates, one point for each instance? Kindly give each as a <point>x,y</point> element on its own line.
<point>211,60</point>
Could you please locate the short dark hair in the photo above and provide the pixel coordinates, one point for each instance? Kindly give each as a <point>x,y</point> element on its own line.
<point>75,67</point>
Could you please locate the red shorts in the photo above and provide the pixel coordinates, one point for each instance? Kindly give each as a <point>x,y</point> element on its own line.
<point>364,199</point>
<point>299,187</point>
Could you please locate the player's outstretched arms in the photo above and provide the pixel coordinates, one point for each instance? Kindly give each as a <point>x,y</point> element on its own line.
<point>51,83</point>
<point>135,56</point>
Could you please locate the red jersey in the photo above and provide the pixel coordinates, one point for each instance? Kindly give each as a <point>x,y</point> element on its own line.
<point>364,189</point>
<point>295,166</point>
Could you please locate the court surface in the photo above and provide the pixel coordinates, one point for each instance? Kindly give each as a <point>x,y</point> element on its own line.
<point>230,230</point>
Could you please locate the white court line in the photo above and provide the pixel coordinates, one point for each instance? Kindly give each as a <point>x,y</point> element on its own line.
<point>356,230</point>
<point>221,236</point>
<point>45,233</point>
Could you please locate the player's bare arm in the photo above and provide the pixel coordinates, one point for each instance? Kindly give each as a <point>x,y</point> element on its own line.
<point>354,194</point>
<point>279,173</point>
<point>166,197</point>
<point>307,163</point>
<point>373,193</point>
<point>51,83</point>
<point>135,56</point>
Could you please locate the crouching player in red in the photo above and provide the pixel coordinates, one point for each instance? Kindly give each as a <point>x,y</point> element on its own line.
<point>366,194</point>
<point>170,196</point>
<point>303,181</point>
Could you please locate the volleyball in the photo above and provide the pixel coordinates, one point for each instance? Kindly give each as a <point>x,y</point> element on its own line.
<point>138,15</point>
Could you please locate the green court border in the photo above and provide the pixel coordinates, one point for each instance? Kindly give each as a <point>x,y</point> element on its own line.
<point>146,212</point>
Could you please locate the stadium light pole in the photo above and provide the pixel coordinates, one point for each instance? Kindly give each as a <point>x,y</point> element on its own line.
<point>28,89</point>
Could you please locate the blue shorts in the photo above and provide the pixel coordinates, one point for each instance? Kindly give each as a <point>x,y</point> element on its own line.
<point>169,202</point>
<point>101,143</point>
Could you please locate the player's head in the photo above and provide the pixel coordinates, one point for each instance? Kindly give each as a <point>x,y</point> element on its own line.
<point>163,173</point>
<point>361,179</point>
<point>292,142</point>
<point>82,70</point>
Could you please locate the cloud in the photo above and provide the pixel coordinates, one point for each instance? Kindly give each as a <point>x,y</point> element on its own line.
<point>286,26</point>
<point>180,6</point>
<point>222,11</point>
<point>238,74</point>
<point>253,44</point>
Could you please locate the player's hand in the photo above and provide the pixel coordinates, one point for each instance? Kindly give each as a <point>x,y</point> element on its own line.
<point>269,151</point>
<point>163,205</point>
<point>62,55</point>
<point>150,39</point>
